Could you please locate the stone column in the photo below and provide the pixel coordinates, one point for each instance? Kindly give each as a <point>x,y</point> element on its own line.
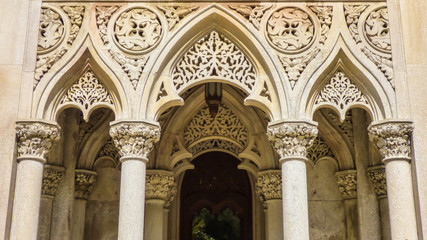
<point>269,187</point>
<point>393,139</point>
<point>347,184</point>
<point>52,175</point>
<point>84,180</point>
<point>135,140</point>
<point>291,140</point>
<point>378,179</point>
<point>35,139</point>
<point>160,189</point>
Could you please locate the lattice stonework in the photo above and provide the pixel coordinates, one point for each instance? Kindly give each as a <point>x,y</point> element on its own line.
<point>214,55</point>
<point>225,124</point>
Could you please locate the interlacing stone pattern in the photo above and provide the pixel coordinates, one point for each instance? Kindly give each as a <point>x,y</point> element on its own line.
<point>378,179</point>
<point>35,139</point>
<point>347,184</point>
<point>269,185</point>
<point>51,31</point>
<point>318,150</point>
<point>103,15</point>
<point>253,13</point>
<point>160,185</point>
<point>84,181</point>
<point>393,139</point>
<point>292,139</point>
<point>52,175</point>
<point>216,56</point>
<point>225,124</point>
<point>135,139</point>
<point>87,92</point>
<point>174,14</point>
<point>215,144</point>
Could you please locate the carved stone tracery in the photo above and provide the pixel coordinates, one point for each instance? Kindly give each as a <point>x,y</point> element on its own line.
<point>215,144</point>
<point>84,180</point>
<point>319,149</point>
<point>52,175</point>
<point>347,184</point>
<point>269,185</point>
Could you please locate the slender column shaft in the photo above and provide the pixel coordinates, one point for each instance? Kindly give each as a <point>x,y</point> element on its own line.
<point>385,219</point>
<point>154,219</point>
<point>351,219</point>
<point>45,219</point>
<point>274,218</point>
<point>165,223</point>
<point>78,224</point>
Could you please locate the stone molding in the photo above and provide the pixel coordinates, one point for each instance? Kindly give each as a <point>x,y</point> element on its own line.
<point>392,138</point>
<point>378,179</point>
<point>269,185</point>
<point>160,184</point>
<point>35,139</point>
<point>347,183</point>
<point>292,139</point>
<point>84,180</point>
<point>134,139</point>
<point>52,175</point>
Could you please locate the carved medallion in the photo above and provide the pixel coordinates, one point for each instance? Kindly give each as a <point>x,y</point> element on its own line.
<point>290,30</point>
<point>51,30</point>
<point>377,30</point>
<point>137,30</point>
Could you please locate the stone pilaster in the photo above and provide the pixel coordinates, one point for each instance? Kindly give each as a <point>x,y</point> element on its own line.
<point>347,183</point>
<point>378,179</point>
<point>84,181</point>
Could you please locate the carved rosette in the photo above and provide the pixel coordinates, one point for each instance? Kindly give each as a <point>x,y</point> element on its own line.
<point>51,30</point>
<point>269,185</point>
<point>378,179</point>
<point>347,184</point>
<point>393,139</point>
<point>52,175</point>
<point>35,139</point>
<point>84,180</point>
<point>292,139</point>
<point>160,185</point>
<point>134,139</point>
<point>377,31</point>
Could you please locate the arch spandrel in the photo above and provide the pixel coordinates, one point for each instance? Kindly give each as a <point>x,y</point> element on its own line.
<point>215,18</point>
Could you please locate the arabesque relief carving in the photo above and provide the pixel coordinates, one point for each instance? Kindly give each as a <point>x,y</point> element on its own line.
<point>160,185</point>
<point>75,13</point>
<point>324,14</point>
<point>51,31</point>
<point>352,15</point>
<point>44,63</point>
<point>384,64</point>
<point>378,178</point>
<point>216,144</point>
<point>133,67</point>
<point>377,30</point>
<point>269,185</point>
<point>253,13</point>
<point>347,184</point>
<point>103,15</point>
<point>52,175</point>
<point>174,14</point>
<point>84,181</point>
<point>319,149</point>
<point>110,150</point>
<point>214,55</point>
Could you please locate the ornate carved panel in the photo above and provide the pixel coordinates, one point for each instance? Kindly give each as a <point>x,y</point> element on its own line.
<point>319,149</point>
<point>133,66</point>
<point>253,13</point>
<point>103,15</point>
<point>347,183</point>
<point>84,180</point>
<point>52,175</point>
<point>51,31</point>
<point>174,14</point>
<point>269,185</point>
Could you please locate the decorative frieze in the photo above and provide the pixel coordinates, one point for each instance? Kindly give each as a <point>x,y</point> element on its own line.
<point>393,139</point>
<point>35,139</point>
<point>269,185</point>
<point>103,15</point>
<point>347,183</point>
<point>292,139</point>
<point>134,139</point>
<point>174,14</point>
<point>160,185</point>
<point>378,179</point>
<point>253,13</point>
<point>84,180</point>
<point>52,175</point>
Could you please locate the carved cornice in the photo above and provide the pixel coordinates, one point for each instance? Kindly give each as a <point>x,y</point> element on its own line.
<point>393,139</point>
<point>52,175</point>
<point>84,180</point>
<point>134,139</point>
<point>35,139</point>
<point>291,139</point>
<point>269,185</point>
<point>347,183</point>
<point>378,179</point>
<point>160,185</point>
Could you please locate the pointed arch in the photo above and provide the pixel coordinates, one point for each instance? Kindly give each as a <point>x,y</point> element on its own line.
<point>215,18</point>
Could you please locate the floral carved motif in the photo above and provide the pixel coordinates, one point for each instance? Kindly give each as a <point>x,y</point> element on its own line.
<point>84,181</point>
<point>133,67</point>
<point>174,14</point>
<point>51,30</point>
<point>253,13</point>
<point>378,179</point>
<point>214,56</point>
<point>292,139</point>
<point>319,149</point>
<point>294,66</point>
<point>377,30</point>
<point>44,63</point>
<point>352,15</point>
<point>103,15</point>
<point>347,184</point>
<point>135,139</point>
<point>87,92</point>
<point>225,124</point>
<point>290,29</point>
<point>393,139</point>
<point>160,185</point>
<point>137,30</point>
<point>340,92</point>
<point>35,139</point>
<point>324,14</point>
<point>269,185</point>
<point>384,64</point>
<point>75,13</point>
<point>52,175</point>
<point>216,144</point>
<point>110,150</point>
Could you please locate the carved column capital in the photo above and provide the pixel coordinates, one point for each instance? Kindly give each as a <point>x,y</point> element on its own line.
<point>378,179</point>
<point>269,185</point>
<point>392,138</point>
<point>160,184</point>
<point>52,175</point>
<point>35,139</point>
<point>291,139</point>
<point>134,139</point>
<point>84,180</point>
<point>347,183</point>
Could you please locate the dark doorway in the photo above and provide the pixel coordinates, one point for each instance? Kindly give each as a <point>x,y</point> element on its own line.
<point>216,188</point>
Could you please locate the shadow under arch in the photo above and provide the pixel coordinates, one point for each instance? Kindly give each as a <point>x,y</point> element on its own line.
<point>217,18</point>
